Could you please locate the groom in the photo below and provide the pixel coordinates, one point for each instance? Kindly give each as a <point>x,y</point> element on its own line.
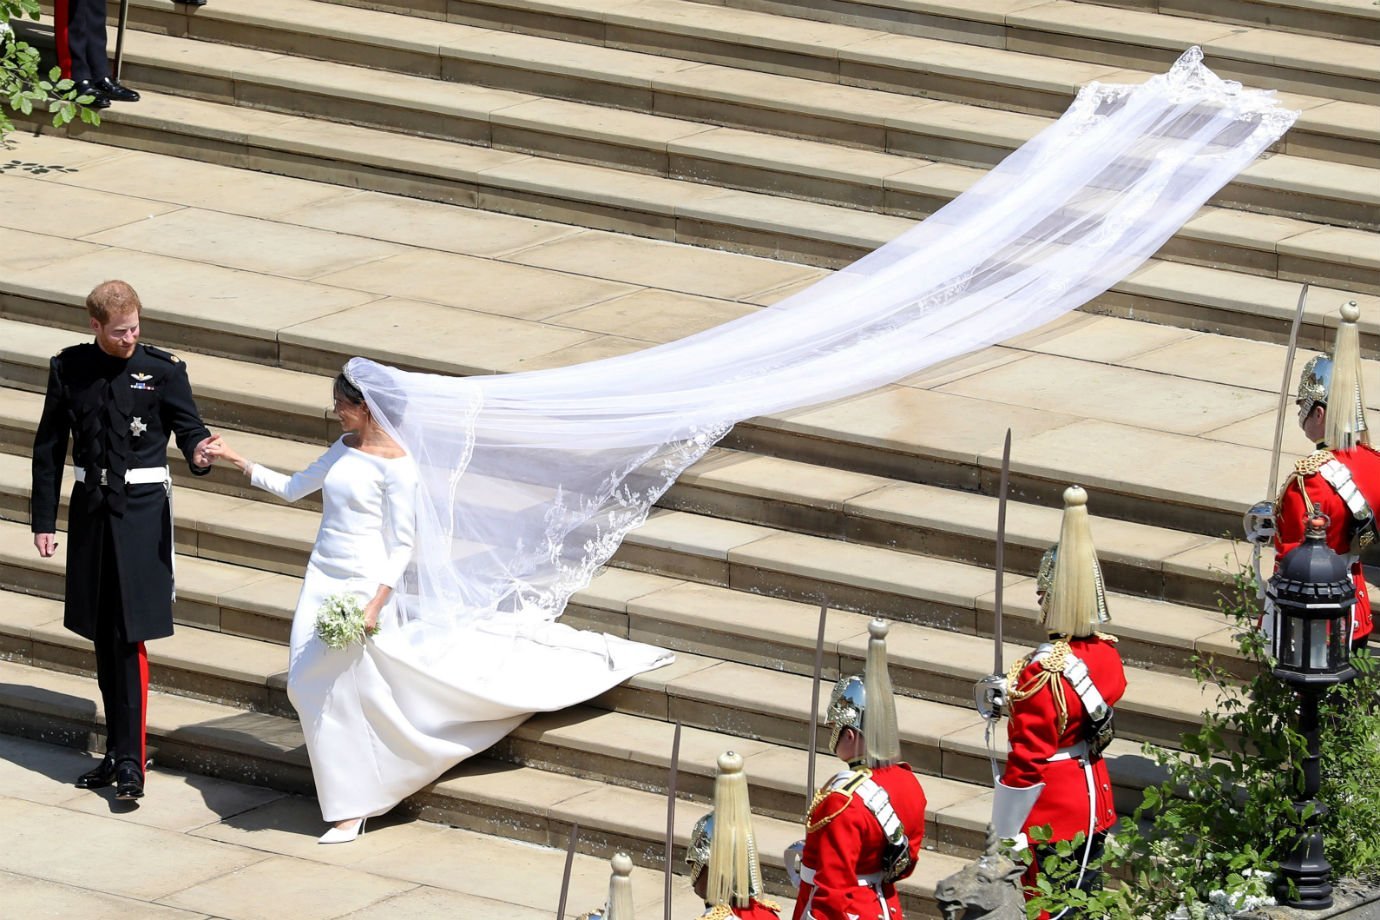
<point>119,402</point>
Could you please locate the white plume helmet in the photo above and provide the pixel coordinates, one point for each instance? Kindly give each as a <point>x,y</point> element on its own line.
<point>735,874</point>
<point>1076,603</point>
<point>1346,405</point>
<point>879,720</point>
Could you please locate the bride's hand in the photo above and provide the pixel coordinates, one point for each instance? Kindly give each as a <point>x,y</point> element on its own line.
<point>371,616</point>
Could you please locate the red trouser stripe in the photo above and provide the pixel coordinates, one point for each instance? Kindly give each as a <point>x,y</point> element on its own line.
<point>61,37</point>
<point>143,706</point>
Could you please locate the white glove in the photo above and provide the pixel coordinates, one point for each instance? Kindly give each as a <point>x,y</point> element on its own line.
<point>1016,844</point>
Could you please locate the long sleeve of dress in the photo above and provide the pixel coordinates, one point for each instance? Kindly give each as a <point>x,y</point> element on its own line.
<point>400,509</point>
<point>301,484</point>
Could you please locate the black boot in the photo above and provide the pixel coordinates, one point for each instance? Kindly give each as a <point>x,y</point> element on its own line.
<point>99,100</point>
<point>102,776</point>
<point>116,91</point>
<point>129,780</point>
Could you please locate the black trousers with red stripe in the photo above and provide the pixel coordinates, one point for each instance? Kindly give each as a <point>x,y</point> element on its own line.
<point>122,671</point>
<point>80,38</point>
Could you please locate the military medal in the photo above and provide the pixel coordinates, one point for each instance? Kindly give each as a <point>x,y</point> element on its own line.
<point>137,426</point>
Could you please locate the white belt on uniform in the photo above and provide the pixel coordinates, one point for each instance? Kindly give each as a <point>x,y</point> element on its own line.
<point>146,475</point>
<point>1077,751</point>
<point>871,880</point>
<point>138,477</point>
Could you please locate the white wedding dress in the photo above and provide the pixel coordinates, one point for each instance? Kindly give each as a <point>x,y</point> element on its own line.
<point>384,719</point>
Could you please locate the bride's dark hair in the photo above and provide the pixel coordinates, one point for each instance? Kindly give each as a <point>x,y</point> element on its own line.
<point>348,391</point>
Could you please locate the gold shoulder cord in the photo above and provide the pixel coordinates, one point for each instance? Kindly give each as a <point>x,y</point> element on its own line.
<point>769,904</point>
<point>823,793</point>
<point>1051,667</point>
<point>1308,466</point>
<point>718,912</point>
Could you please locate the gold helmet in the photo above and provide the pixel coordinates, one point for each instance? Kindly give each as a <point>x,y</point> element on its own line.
<point>1074,601</point>
<point>868,704</point>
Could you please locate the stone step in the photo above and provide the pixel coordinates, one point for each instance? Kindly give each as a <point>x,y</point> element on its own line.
<point>222,517</point>
<point>790,530</point>
<point>1057,31</point>
<point>615,738</point>
<point>1349,20</point>
<point>1297,186</point>
<point>603,745</point>
<point>222,848</point>
<point>1212,415</point>
<point>843,111</point>
<point>482,794</point>
<point>984,22</point>
<point>937,665</point>
<point>893,182</point>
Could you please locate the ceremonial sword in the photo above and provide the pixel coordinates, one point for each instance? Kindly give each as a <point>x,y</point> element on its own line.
<point>671,820</point>
<point>990,693</point>
<point>795,850</point>
<point>565,879</point>
<point>1260,517</point>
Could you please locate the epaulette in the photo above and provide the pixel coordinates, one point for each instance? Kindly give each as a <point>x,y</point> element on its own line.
<point>769,904</point>
<point>1106,637</point>
<point>717,912</point>
<point>1312,463</point>
<point>157,352</point>
<point>846,783</point>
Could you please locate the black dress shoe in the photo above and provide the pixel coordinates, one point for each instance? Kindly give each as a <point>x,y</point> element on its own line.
<point>102,776</point>
<point>191,2</point>
<point>116,92</point>
<point>99,100</point>
<point>129,780</point>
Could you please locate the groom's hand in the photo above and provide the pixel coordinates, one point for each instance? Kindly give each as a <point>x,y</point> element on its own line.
<point>200,457</point>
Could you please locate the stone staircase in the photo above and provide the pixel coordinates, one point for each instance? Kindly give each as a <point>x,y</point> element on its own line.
<point>584,143</point>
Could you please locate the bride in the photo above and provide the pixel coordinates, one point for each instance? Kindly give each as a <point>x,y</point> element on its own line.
<point>381,720</point>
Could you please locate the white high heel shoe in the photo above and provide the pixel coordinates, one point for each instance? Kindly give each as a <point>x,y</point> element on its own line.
<point>343,834</point>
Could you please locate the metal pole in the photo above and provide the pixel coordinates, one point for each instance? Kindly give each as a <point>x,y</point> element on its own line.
<point>1307,866</point>
<point>120,27</point>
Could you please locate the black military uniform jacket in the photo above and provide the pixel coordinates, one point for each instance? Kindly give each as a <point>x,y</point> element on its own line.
<point>119,414</point>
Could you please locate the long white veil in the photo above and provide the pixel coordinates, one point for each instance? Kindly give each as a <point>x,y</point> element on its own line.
<point>530,481</point>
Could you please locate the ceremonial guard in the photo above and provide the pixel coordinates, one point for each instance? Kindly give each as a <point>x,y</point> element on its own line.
<point>724,869</point>
<point>863,830</point>
<point>1060,701</point>
<point>79,36</point>
<point>1342,477</point>
<point>118,401</point>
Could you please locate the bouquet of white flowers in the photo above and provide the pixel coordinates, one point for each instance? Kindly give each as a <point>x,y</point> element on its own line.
<point>340,621</point>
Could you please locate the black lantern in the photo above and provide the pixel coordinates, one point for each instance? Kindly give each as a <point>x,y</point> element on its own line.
<point>1312,595</point>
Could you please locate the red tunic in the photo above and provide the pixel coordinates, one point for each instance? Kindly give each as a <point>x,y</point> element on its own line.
<point>1035,738</point>
<point>842,849</point>
<point>1364,464</point>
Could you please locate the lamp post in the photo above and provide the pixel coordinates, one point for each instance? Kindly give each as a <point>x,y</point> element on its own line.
<point>1312,596</point>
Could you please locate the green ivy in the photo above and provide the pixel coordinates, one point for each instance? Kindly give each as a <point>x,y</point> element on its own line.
<point>23,89</point>
<point>1205,840</point>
